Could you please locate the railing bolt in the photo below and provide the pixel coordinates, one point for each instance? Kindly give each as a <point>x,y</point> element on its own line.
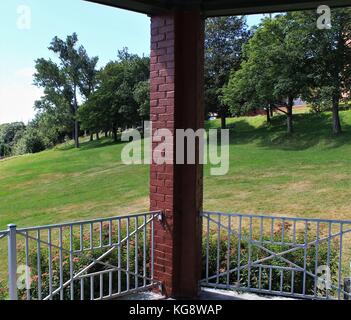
<point>12,261</point>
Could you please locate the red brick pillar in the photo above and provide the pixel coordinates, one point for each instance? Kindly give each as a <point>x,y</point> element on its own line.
<point>177,63</point>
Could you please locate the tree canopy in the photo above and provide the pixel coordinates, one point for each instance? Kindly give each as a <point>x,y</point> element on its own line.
<point>288,58</point>
<point>225,37</point>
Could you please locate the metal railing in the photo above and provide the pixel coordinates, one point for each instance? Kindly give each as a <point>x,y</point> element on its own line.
<point>85,260</point>
<point>282,256</point>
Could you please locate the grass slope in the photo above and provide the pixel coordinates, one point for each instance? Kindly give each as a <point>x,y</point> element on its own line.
<point>66,184</point>
<point>307,174</point>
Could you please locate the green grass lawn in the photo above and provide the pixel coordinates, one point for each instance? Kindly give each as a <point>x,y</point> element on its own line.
<point>308,174</point>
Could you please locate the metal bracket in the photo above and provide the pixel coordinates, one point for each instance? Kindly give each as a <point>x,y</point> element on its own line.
<point>160,217</point>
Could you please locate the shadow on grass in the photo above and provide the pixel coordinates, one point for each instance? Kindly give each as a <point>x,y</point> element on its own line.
<point>309,130</point>
<point>88,145</point>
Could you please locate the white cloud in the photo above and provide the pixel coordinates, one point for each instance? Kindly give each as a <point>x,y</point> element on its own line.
<point>17,96</point>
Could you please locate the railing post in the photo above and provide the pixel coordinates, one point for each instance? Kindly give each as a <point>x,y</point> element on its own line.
<point>12,261</point>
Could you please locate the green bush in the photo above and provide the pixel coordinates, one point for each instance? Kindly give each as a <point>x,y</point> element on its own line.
<point>31,142</point>
<point>3,291</point>
<point>297,257</point>
<point>80,261</point>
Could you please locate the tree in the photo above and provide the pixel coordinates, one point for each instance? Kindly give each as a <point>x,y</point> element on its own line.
<point>89,75</point>
<point>53,119</point>
<point>249,89</point>
<point>31,142</point>
<point>10,133</point>
<point>116,93</point>
<point>141,96</point>
<point>94,115</point>
<point>225,37</point>
<point>62,82</point>
<point>276,69</point>
<point>331,50</point>
<point>87,87</point>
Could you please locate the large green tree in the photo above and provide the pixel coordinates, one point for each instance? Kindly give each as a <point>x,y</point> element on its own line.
<point>63,82</point>
<point>225,37</point>
<point>121,98</point>
<point>275,71</point>
<point>331,52</point>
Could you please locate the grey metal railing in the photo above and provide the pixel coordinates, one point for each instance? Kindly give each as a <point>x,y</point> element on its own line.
<point>283,256</point>
<point>94,259</point>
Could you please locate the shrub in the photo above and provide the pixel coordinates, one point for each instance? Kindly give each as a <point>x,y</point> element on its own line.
<point>3,291</point>
<point>297,257</point>
<point>80,261</point>
<point>30,142</point>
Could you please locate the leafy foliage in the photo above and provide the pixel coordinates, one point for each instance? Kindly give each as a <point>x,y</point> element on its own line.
<point>62,82</point>
<point>10,134</point>
<point>31,142</point>
<point>121,98</point>
<point>60,266</point>
<point>225,37</point>
<point>278,276</point>
<point>274,70</point>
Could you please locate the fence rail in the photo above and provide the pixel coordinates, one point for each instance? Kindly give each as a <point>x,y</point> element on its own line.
<point>111,257</point>
<point>295,257</point>
<point>93,259</point>
<point>3,234</point>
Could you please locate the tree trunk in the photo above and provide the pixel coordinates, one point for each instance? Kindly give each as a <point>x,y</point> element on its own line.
<point>289,116</point>
<point>271,110</point>
<point>106,134</point>
<point>223,124</point>
<point>76,124</point>
<point>97,136</point>
<point>336,117</point>
<point>114,132</point>
<point>268,115</point>
<point>91,137</point>
<point>76,133</point>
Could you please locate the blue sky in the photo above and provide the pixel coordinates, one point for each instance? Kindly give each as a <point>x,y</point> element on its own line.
<point>101,29</point>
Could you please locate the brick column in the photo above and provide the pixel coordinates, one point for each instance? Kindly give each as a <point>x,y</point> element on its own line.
<point>177,62</point>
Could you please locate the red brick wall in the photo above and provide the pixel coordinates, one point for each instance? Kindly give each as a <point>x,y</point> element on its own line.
<point>176,103</point>
<point>162,116</point>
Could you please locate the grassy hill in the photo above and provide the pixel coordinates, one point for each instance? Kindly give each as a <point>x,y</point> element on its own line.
<point>308,174</point>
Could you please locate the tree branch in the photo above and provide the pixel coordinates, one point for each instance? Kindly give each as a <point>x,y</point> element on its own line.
<point>281,110</point>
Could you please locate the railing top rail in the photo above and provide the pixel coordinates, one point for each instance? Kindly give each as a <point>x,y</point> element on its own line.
<point>3,234</point>
<point>81,222</point>
<point>276,217</point>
